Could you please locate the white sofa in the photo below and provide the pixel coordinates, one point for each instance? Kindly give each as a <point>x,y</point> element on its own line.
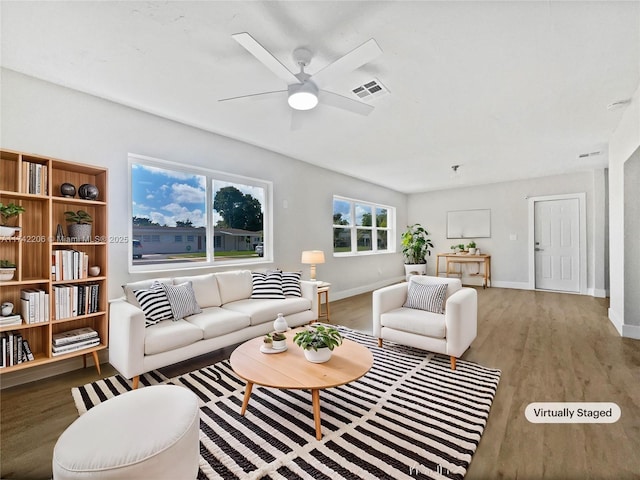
<point>229,316</point>
<point>449,333</point>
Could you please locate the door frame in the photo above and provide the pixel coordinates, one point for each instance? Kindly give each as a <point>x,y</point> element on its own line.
<point>582,228</point>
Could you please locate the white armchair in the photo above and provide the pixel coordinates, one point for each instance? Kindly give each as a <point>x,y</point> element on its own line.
<point>449,333</point>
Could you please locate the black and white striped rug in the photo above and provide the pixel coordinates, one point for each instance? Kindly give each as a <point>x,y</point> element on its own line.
<point>410,417</point>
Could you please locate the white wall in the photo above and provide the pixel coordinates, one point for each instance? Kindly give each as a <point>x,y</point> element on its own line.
<point>42,118</point>
<point>509,216</point>
<point>624,142</point>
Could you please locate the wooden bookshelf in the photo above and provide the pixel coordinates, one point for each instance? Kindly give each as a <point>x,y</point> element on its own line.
<point>33,248</point>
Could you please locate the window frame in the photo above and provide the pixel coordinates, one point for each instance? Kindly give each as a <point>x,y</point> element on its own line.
<point>353,227</point>
<point>210,176</point>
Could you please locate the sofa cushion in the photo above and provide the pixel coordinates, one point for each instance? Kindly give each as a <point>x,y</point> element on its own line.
<point>267,285</point>
<point>216,321</point>
<point>411,320</point>
<point>182,300</point>
<point>291,284</point>
<point>154,303</point>
<point>426,297</point>
<point>166,336</point>
<point>234,285</point>
<point>453,284</point>
<point>129,288</point>
<point>205,287</point>
<point>262,311</point>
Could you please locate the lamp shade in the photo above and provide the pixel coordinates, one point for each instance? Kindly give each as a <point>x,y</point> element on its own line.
<point>312,257</point>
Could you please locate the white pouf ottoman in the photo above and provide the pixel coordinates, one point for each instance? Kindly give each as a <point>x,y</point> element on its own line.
<point>152,432</point>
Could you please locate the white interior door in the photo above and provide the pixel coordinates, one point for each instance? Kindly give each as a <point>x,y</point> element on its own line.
<point>557,244</point>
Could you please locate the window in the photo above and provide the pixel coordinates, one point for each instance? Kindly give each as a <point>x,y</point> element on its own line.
<point>362,227</point>
<point>195,216</point>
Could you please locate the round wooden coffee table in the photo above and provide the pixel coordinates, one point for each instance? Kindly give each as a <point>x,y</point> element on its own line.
<point>291,370</point>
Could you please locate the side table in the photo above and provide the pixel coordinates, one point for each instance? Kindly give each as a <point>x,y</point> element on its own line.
<point>323,290</point>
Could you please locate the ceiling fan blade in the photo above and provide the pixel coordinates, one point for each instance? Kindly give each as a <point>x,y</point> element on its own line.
<point>262,54</point>
<point>357,57</point>
<point>345,103</point>
<point>258,96</point>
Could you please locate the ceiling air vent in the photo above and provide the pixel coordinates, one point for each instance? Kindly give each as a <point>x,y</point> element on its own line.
<point>370,90</point>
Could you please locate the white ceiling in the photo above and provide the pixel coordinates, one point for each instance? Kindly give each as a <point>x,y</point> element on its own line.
<point>507,90</point>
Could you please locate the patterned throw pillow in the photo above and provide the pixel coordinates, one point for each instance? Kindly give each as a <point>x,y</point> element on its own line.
<point>182,299</point>
<point>291,284</point>
<point>154,304</point>
<point>426,297</point>
<point>267,285</point>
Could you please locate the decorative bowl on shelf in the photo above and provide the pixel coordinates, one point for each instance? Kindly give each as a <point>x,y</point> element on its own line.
<point>7,273</point>
<point>8,231</point>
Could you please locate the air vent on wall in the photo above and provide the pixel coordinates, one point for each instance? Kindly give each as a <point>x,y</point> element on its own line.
<point>370,90</point>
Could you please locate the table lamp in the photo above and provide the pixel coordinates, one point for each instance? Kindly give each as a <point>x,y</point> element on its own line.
<point>312,257</point>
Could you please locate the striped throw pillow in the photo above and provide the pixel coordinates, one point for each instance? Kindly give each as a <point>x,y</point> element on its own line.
<point>291,284</point>
<point>182,299</point>
<point>154,304</point>
<point>426,297</point>
<point>267,285</point>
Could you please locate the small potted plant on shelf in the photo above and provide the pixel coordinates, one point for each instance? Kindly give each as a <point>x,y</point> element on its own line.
<point>7,270</point>
<point>461,249</point>
<point>8,218</point>
<point>415,248</point>
<point>471,246</point>
<point>79,225</point>
<point>318,342</point>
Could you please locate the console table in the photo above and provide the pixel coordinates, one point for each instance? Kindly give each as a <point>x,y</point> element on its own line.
<point>453,258</point>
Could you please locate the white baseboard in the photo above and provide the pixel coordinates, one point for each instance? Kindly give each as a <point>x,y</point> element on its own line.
<point>615,320</point>
<point>631,331</point>
<point>366,288</point>
<point>33,374</point>
<point>600,293</point>
<point>514,285</point>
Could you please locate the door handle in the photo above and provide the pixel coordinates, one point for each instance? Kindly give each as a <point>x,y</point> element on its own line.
<point>539,249</point>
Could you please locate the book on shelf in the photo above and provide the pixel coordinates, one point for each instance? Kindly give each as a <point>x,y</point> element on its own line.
<point>74,347</point>
<point>35,178</point>
<point>70,336</point>
<point>15,349</point>
<point>10,320</point>
<point>76,300</point>
<point>35,305</point>
<point>69,265</point>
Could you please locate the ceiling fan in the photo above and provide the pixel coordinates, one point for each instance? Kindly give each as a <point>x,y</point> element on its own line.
<point>304,91</point>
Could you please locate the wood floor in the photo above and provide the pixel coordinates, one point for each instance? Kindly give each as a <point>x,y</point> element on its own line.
<point>550,347</point>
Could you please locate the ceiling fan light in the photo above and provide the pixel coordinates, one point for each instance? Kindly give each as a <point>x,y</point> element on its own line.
<point>303,96</point>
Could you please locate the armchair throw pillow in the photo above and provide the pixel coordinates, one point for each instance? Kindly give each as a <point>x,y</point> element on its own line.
<point>426,297</point>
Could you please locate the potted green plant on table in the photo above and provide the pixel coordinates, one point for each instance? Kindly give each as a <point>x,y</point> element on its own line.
<point>318,342</point>
<point>79,225</point>
<point>279,341</point>
<point>8,218</point>
<point>471,246</point>
<point>7,270</point>
<point>415,248</point>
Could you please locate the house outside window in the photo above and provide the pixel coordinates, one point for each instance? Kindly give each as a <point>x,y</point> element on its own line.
<point>191,216</point>
<point>361,227</point>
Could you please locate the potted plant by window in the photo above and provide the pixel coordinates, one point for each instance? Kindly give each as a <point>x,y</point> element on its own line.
<point>415,248</point>
<point>318,342</point>
<point>8,218</point>
<point>79,225</point>
<point>7,270</point>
